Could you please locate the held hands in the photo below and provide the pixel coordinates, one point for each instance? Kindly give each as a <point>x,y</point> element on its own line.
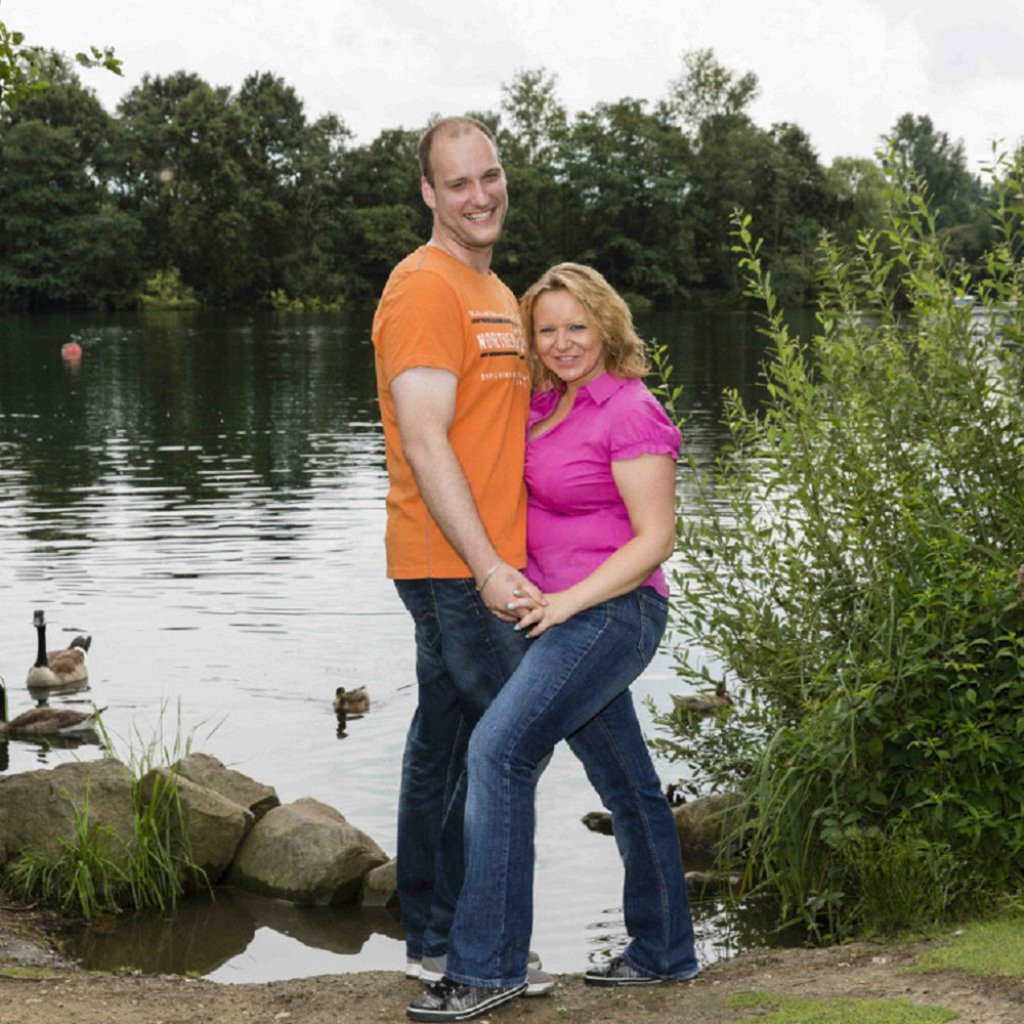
<point>536,617</point>
<point>502,585</point>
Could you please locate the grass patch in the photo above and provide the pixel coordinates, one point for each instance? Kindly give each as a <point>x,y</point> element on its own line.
<point>784,1009</point>
<point>983,948</point>
<point>12,973</point>
<point>95,872</point>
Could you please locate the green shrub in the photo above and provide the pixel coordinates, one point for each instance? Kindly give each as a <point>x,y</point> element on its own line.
<point>166,290</point>
<point>282,302</point>
<point>851,573</point>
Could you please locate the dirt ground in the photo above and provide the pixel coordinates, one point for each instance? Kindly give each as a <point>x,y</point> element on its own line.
<point>37,985</point>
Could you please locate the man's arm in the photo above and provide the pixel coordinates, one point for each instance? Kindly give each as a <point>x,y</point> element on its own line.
<point>425,408</point>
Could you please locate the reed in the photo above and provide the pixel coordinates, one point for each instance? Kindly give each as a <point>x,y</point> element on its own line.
<point>97,873</point>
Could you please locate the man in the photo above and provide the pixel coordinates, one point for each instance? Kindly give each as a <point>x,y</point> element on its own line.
<point>454,395</point>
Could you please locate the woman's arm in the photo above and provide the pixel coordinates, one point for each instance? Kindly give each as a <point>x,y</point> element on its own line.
<point>647,485</point>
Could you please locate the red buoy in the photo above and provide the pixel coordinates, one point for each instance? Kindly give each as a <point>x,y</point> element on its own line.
<point>71,351</point>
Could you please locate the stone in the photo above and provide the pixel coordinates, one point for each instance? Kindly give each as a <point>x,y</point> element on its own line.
<point>207,771</point>
<point>380,886</point>
<point>305,852</point>
<point>212,825</point>
<point>38,809</point>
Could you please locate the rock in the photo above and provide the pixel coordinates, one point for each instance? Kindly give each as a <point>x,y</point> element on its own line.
<point>380,886</point>
<point>207,771</point>
<point>305,852</point>
<point>214,825</point>
<point>38,809</point>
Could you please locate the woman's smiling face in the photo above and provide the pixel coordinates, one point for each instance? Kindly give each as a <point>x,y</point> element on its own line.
<point>566,341</point>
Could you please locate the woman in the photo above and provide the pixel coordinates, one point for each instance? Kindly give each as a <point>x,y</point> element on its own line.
<point>600,471</point>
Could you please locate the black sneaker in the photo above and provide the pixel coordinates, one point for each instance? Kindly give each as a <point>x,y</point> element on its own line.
<point>449,1000</point>
<point>538,982</point>
<point>618,972</point>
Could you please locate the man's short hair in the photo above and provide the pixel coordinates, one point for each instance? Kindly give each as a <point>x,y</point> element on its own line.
<point>452,127</point>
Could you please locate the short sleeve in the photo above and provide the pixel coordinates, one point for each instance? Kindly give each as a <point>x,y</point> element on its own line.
<point>641,426</point>
<point>422,326</point>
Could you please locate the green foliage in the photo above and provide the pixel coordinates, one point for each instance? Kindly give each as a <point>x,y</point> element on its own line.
<point>281,302</point>
<point>775,1008</point>
<point>248,198</point>
<point>86,878</point>
<point>165,290</point>
<point>96,872</point>
<point>852,575</point>
<point>22,70</point>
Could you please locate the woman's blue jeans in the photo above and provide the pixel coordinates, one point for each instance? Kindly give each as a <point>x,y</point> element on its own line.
<point>463,657</point>
<point>572,684</point>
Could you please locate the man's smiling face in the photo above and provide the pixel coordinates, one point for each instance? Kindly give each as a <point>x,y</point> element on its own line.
<point>469,195</point>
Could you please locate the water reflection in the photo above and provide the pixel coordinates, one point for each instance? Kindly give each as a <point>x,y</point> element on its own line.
<point>207,932</point>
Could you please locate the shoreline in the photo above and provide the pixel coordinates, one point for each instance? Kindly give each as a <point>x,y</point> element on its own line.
<point>38,983</point>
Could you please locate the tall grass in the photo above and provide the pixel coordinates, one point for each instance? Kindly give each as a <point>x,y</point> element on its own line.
<point>852,569</point>
<point>96,872</point>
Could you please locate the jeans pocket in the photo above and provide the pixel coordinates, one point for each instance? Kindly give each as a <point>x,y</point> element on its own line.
<point>419,602</point>
<point>653,619</point>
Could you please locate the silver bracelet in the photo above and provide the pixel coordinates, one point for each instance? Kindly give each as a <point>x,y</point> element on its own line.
<point>487,575</point>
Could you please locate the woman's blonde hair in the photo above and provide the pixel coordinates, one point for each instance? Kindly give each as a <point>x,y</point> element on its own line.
<point>623,348</point>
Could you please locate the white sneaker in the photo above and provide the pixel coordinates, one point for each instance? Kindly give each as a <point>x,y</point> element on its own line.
<point>413,968</point>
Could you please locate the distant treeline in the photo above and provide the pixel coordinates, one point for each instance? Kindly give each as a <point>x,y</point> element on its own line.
<point>193,194</point>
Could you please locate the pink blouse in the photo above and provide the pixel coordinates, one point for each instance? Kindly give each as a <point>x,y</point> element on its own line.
<point>575,515</point>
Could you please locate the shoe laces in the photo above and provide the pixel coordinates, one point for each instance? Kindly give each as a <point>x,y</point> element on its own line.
<point>445,986</point>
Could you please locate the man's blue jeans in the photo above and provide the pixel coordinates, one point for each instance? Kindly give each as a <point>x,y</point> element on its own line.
<point>572,684</point>
<point>464,654</point>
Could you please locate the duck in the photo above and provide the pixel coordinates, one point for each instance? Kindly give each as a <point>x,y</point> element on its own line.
<point>64,669</point>
<point>704,702</point>
<point>46,721</point>
<point>351,702</point>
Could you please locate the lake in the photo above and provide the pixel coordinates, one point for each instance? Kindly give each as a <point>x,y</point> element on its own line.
<point>205,496</point>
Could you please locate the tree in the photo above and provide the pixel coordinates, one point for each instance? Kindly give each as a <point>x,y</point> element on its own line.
<point>918,149</point>
<point>532,140</point>
<point>22,70</point>
<point>708,96</point>
<point>274,138</point>
<point>63,240</point>
<point>630,170</point>
<point>186,167</point>
<point>789,205</point>
<point>381,214</point>
<point>857,189</point>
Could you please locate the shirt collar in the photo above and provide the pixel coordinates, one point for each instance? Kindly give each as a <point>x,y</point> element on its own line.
<point>598,391</point>
<point>603,387</point>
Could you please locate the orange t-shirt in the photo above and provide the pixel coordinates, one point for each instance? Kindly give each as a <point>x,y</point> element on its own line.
<point>437,312</point>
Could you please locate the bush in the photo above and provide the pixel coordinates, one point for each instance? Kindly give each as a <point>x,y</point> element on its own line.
<point>852,569</point>
<point>166,290</point>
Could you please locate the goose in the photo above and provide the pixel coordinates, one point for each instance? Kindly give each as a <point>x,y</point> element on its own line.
<point>46,721</point>
<point>351,702</point>
<point>58,669</point>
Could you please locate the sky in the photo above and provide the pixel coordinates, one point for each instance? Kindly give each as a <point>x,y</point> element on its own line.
<point>843,71</point>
